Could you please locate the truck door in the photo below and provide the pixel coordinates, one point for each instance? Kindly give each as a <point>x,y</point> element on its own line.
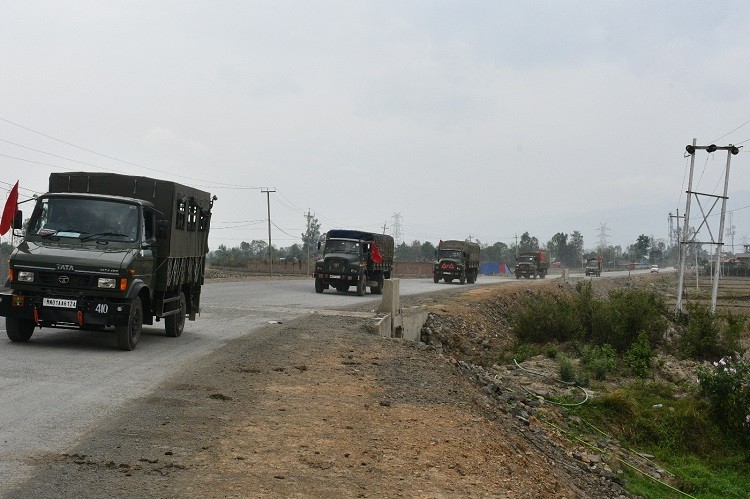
<point>144,261</point>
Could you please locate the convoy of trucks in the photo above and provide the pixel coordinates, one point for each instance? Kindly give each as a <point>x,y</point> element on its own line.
<point>109,250</point>
<point>456,260</point>
<point>594,266</point>
<point>532,264</point>
<point>354,258</point>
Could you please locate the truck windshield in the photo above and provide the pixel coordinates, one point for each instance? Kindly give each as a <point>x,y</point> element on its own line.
<point>85,218</point>
<point>342,246</point>
<point>446,253</point>
<point>526,259</point>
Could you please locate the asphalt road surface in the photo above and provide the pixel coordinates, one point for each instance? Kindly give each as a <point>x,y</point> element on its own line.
<point>63,381</point>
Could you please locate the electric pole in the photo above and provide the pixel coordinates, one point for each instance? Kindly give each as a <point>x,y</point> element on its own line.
<point>716,271</point>
<point>268,192</point>
<point>309,241</point>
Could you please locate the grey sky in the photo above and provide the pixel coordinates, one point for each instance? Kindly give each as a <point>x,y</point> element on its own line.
<point>483,119</point>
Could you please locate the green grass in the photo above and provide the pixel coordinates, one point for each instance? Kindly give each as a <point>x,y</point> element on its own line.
<point>680,433</point>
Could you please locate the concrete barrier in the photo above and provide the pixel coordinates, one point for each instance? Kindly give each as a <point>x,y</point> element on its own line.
<point>395,322</point>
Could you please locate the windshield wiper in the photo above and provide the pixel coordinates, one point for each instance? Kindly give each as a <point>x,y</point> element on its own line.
<point>105,234</point>
<point>52,232</point>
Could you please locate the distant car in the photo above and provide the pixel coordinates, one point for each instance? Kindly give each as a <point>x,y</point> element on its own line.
<point>654,268</point>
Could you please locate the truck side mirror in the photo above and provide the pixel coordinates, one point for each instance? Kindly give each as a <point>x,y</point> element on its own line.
<point>18,220</point>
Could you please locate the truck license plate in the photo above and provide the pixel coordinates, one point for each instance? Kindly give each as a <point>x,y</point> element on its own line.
<point>334,277</point>
<point>58,302</point>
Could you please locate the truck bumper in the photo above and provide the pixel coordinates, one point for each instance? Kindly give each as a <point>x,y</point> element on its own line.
<point>76,312</point>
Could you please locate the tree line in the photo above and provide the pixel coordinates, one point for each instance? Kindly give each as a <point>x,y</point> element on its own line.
<point>565,248</point>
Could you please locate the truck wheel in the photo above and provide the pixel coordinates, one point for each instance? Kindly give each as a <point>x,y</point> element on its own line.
<point>379,289</point>
<point>435,279</point>
<point>318,285</point>
<point>361,286</point>
<point>462,279</point>
<point>174,324</point>
<point>19,329</point>
<point>470,278</point>
<point>518,276</point>
<point>129,334</point>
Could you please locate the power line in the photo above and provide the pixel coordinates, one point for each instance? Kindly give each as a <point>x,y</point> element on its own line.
<point>731,131</point>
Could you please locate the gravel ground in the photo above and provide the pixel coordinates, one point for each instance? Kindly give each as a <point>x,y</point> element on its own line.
<point>321,407</point>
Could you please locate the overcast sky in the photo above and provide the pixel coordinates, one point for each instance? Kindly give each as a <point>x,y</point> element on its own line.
<point>478,119</point>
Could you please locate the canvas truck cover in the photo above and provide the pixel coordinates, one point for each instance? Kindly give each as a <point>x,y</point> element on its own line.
<point>472,249</point>
<point>187,210</point>
<point>382,241</point>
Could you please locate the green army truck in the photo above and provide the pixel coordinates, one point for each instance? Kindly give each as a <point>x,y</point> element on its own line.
<point>354,258</point>
<point>456,260</point>
<point>108,250</point>
<point>593,266</point>
<point>532,264</point>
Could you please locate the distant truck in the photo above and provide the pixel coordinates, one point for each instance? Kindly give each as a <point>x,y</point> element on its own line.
<point>532,264</point>
<point>594,266</point>
<point>354,258</point>
<point>456,260</point>
<point>108,250</point>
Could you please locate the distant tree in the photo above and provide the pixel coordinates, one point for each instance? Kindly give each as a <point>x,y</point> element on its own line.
<point>311,236</point>
<point>640,249</point>
<point>428,251</point>
<point>528,243</point>
<point>498,252</point>
<point>657,250</point>
<point>258,248</point>
<point>558,247</point>
<point>245,247</point>
<point>404,252</point>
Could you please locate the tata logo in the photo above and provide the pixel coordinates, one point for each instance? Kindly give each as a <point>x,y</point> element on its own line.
<point>62,266</point>
<point>63,279</point>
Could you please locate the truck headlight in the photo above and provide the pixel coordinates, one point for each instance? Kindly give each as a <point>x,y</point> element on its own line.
<point>24,276</point>
<point>106,282</point>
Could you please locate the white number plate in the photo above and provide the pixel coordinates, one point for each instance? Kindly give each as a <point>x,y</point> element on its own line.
<point>334,276</point>
<point>58,302</point>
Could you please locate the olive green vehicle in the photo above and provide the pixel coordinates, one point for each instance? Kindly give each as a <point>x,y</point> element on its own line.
<point>456,260</point>
<point>354,258</point>
<point>107,250</point>
<point>532,264</point>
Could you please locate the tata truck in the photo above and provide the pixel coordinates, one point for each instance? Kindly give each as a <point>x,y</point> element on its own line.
<point>532,264</point>
<point>456,260</point>
<point>594,266</point>
<point>354,258</point>
<point>104,250</point>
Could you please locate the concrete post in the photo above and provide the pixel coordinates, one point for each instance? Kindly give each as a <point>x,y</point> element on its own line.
<point>390,303</point>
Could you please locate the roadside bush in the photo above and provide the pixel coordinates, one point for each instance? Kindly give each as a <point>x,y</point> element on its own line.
<point>600,360</point>
<point>700,338</point>
<point>638,356</point>
<point>545,318</point>
<point>726,385</point>
<point>632,311</point>
<point>567,369</point>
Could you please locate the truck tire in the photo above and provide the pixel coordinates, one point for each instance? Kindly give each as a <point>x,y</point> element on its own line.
<point>436,279</point>
<point>462,279</point>
<point>318,285</point>
<point>129,334</point>
<point>471,278</point>
<point>379,289</point>
<point>174,324</point>
<point>361,286</point>
<point>19,330</point>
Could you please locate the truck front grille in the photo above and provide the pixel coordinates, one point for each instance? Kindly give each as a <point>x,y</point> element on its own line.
<point>335,265</point>
<point>66,280</point>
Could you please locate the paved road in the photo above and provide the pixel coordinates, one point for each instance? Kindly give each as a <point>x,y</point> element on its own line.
<point>63,381</point>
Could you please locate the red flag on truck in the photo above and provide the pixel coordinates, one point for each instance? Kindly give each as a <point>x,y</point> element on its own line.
<point>11,205</point>
<point>375,254</point>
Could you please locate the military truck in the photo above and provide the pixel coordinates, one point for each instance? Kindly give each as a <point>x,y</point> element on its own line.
<point>594,266</point>
<point>108,250</point>
<point>456,260</point>
<point>354,258</point>
<point>532,264</point>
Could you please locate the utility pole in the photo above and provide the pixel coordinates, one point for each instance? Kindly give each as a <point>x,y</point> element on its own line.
<point>731,150</point>
<point>309,240</point>
<point>385,226</point>
<point>268,192</point>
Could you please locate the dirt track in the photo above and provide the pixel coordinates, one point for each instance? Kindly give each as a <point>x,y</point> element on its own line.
<point>317,408</point>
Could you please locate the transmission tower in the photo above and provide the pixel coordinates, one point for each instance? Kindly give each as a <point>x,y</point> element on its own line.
<point>603,236</point>
<point>397,218</point>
